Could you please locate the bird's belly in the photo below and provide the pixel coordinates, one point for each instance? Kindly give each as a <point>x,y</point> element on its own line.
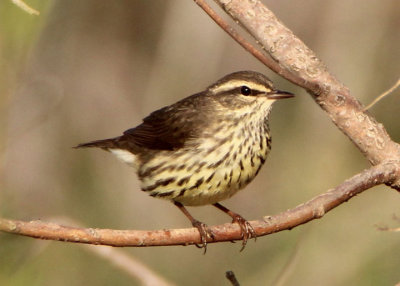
<point>199,178</point>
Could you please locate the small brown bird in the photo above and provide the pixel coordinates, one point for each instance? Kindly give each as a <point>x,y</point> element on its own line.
<point>203,148</point>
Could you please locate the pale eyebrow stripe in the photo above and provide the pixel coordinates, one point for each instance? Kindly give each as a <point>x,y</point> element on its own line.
<point>231,85</point>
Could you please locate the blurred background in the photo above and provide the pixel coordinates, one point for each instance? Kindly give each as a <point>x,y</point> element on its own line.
<point>85,70</point>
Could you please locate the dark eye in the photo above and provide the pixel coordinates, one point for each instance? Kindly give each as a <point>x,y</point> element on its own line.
<point>245,90</point>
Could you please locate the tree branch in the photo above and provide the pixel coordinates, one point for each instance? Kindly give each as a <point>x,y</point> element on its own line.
<point>296,62</point>
<point>268,61</point>
<point>313,209</point>
<point>309,72</point>
<point>21,4</point>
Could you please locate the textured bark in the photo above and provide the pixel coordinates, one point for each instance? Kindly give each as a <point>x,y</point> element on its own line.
<point>313,209</point>
<point>289,57</point>
<point>308,71</point>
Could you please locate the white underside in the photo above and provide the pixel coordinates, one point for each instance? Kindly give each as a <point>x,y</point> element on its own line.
<point>126,157</point>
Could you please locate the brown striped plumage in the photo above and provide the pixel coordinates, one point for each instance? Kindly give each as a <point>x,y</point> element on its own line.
<point>205,147</point>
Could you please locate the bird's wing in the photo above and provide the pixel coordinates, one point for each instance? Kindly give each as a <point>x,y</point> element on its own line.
<point>171,127</point>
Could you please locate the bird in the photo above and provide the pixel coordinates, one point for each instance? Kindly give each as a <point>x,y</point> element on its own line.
<point>204,148</point>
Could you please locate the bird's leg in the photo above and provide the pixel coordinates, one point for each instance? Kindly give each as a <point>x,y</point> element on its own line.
<point>204,231</point>
<point>245,226</point>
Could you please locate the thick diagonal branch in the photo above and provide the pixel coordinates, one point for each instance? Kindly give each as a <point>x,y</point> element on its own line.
<point>307,70</point>
<point>313,209</point>
<point>299,64</point>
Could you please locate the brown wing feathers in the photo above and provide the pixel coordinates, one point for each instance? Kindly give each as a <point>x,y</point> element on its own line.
<point>104,144</point>
<point>165,129</point>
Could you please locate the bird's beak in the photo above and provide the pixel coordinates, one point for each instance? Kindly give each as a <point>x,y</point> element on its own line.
<point>279,94</point>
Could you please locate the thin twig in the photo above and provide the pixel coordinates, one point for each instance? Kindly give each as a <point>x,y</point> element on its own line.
<point>131,266</point>
<point>127,263</point>
<point>386,228</point>
<point>288,268</point>
<point>21,4</point>
<point>269,62</point>
<point>389,91</point>
<point>313,209</point>
<point>232,278</point>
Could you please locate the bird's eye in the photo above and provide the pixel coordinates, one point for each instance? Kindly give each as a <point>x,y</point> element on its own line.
<point>245,90</point>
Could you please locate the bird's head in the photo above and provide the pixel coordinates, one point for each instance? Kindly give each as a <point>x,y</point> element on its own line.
<point>246,89</point>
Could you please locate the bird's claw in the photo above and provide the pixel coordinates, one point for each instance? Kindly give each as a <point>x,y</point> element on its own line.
<point>205,233</point>
<point>247,230</point>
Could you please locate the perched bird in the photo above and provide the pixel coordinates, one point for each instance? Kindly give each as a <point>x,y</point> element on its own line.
<point>203,148</point>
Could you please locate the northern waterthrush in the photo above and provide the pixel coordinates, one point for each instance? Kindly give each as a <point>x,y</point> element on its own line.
<point>203,148</point>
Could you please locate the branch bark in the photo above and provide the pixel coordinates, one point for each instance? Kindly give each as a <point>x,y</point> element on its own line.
<point>309,72</point>
<point>289,57</point>
<point>313,209</point>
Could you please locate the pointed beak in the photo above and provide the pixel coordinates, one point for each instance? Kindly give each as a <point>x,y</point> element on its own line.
<point>279,94</point>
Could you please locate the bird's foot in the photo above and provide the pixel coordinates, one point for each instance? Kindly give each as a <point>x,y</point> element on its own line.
<point>205,233</point>
<point>247,230</point>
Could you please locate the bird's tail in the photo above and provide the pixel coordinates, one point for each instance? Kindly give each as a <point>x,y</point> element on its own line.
<point>105,144</point>
<point>116,146</point>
